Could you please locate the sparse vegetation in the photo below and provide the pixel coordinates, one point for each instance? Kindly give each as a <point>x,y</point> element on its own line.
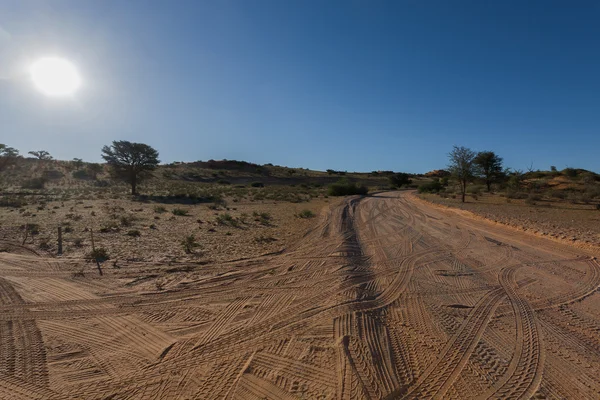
<point>180,212</point>
<point>99,254</point>
<point>305,214</point>
<point>346,188</point>
<point>189,244</point>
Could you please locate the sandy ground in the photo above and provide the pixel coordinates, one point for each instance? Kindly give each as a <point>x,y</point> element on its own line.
<point>560,220</point>
<point>385,297</point>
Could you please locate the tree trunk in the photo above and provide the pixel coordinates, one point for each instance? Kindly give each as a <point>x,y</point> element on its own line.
<point>464,190</point>
<point>489,186</point>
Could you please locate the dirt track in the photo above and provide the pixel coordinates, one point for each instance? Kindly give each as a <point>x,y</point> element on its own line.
<point>387,298</point>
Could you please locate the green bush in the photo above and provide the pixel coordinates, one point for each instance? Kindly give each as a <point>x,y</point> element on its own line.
<point>189,243</point>
<point>179,211</point>
<point>226,219</point>
<point>160,209</point>
<point>400,179</point>
<point>81,174</point>
<point>430,187</point>
<point>305,214</point>
<point>99,254</point>
<point>346,188</point>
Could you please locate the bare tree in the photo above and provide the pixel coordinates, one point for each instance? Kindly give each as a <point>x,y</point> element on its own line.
<point>462,167</point>
<point>488,166</point>
<point>130,162</point>
<point>41,155</point>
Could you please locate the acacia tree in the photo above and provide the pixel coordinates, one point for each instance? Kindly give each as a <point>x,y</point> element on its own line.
<point>488,166</point>
<point>130,162</point>
<point>462,167</point>
<point>8,155</point>
<point>41,155</point>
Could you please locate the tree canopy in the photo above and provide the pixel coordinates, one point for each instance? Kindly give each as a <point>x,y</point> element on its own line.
<point>130,162</point>
<point>488,166</point>
<point>41,155</point>
<point>461,166</point>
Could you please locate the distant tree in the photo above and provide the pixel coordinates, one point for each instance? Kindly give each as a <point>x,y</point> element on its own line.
<point>400,179</point>
<point>41,155</point>
<point>462,167</point>
<point>488,166</point>
<point>77,162</point>
<point>130,162</point>
<point>553,168</point>
<point>8,156</point>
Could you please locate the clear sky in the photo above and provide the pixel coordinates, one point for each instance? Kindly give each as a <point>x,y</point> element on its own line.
<point>355,85</point>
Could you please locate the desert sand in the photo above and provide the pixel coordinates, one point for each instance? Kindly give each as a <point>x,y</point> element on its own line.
<point>385,297</point>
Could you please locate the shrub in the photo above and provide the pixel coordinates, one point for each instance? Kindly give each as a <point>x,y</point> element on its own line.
<point>400,179</point>
<point>475,189</point>
<point>263,217</point>
<point>346,188</point>
<point>265,239</point>
<point>13,201</point>
<point>305,214</point>
<point>32,229</point>
<point>570,172</point>
<point>189,243</point>
<point>99,254</point>
<point>81,174</point>
<point>160,209</point>
<point>179,211</point>
<point>34,183</point>
<point>430,187</point>
<point>134,233</point>
<point>127,220</point>
<point>226,219</point>
<point>257,184</point>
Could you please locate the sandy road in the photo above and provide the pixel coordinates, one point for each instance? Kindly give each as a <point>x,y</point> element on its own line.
<point>386,298</point>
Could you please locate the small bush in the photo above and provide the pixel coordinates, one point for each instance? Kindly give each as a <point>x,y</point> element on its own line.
<point>257,184</point>
<point>126,220</point>
<point>226,219</point>
<point>81,174</point>
<point>160,209</point>
<point>78,242</point>
<point>263,217</point>
<point>430,187</point>
<point>180,212</point>
<point>13,201</point>
<point>32,229</point>
<point>346,188</point>
<point>100,255</point>
<point>134,233</point>
<point>34,183</point>
<point>570,172</point>
<point>189,243</point>
<point>305,214</point>
<point>265,239</point>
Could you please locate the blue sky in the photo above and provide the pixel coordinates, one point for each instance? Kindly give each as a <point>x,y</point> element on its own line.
<point>354,85</point>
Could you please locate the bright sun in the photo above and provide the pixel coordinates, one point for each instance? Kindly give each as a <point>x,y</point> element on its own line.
<point>55,76</point>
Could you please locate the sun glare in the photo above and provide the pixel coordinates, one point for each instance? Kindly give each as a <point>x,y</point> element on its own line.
<point>55,76</point>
